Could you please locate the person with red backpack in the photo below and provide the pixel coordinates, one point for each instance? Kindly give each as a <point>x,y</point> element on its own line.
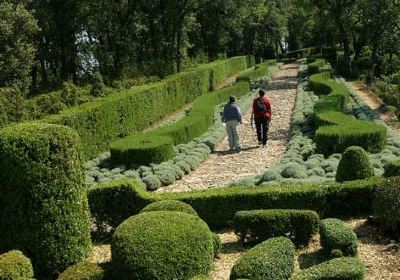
<point>262,116</point>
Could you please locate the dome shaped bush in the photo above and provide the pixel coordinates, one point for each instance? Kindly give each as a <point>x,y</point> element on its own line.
<point>83,271</point>
<point>354,165</point>
<point>161,245</point>
<point>14,265</point>
<point>170,205</point>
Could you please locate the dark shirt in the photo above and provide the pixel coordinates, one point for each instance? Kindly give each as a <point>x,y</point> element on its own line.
<point>231,113</point>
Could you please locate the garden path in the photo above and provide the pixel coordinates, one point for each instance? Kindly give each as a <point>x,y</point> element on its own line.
<point>223,167</point>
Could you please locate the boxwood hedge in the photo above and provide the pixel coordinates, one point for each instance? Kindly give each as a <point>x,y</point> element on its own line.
<point>341,268</point>
<point>43,204</point>
<point>271,260</point>
<point>83,271</point>
<point>392,169</point>
<point>181,247</point>
<point>260,225</point>
<point>169,205</point>
<point>354,165</point>
<point>336,235</point>
<point>14,265</point>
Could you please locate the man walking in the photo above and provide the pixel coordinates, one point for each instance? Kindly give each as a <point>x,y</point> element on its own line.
<point>232,117</point>
<point>262,117</point>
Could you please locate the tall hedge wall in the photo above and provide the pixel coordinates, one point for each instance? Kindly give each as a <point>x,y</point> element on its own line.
<point>335,130</point>
<point>100,122</point>
<point>114,202</point>
<point>43,205</point>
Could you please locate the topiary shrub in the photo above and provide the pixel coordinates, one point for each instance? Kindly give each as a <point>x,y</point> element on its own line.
<point>152,182</point>
<point>98,85</point>
<point>217,244</point>
<point>170,205</point>
<point>340,268</point>
<point>83,271</point>
<point>271,260</point>
<point>14,265</point>
<point>181,247</point>
<point>354,165</point>
<point>336,235</point>
<point>386,205</point>
<point>69,94</point>
<point>392,169</point>
<point>259,225</point>
<point>43,203</point>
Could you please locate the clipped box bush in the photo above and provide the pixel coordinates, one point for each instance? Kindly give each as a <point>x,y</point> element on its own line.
<point>43,203</point>
<point>314,67</point>
<point>14,265</point>
<point>354,165</point>
<point>341,268</point>
<point>181,247</point>
<point>260,225</point>
<point>102,121</point>
<point>271,260</point>
<point>83,271</point>
<point>336,235</point>
<point>170,205</point>
<point>386,205</point>
<point>392,169</point>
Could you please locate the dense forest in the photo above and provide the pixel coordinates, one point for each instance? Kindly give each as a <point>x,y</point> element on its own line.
<point>44,43</point>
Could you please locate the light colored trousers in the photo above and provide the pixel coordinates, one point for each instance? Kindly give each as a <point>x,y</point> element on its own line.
<point>233,136</point>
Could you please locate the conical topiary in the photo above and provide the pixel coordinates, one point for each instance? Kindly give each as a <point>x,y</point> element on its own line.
<point>354,165</point>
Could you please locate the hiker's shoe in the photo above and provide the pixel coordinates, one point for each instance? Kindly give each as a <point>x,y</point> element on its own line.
<point>260,143</point>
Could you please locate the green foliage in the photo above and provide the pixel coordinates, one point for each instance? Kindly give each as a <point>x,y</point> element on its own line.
<point>14,265</point>
<point>69,94</point>
<point>354,165</point>
<point>271,260</point>
<point>314,67</point>
<point>341,268</point>
<point>217,243</point>
<point>83,271</point>
<point>336,235</point>
<point>294,170</point>
<point>98,86</point>
<point>169,205</point>
<point>200,277</point>
<point>51,187</point>
<point>260,225</point>
<point>386,205</point>
<point>152,182</point>
<point>181,247</point>
<point>392,169</point>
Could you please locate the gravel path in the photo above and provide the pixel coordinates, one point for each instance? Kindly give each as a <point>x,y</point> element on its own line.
<point>223,167</point>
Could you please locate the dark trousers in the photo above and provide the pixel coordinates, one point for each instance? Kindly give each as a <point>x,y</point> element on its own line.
<point>262,124</point>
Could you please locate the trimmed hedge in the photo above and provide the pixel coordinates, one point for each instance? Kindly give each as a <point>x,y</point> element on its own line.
<point>392,169</point>
<point>336,235</point>
<point>170,205</point>
<point>261,70</point>
<point>42,174</point>
<point>102,121</point>
<point>83,271</point>
<point>14,265</point>
<point>271,260</point>
<point>217,243</point>
<point>260,225</point>
<point>181,247</point>
<point>157,146</point>
<point>335,130</point>
<point>354,165</point>
<point>113,202</point>
<point>315,66</point>
<point>340,268</point>
<point>386,205</point>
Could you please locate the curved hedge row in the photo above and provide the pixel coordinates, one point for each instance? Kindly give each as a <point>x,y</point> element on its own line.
<point>341,268</point>
<point>335,130</point>
<point>271,260</point>
<point>181,247</point>
<point>100,122</point>
<point>259,225</point>
<point>157,146</point>
<point>14,265</point>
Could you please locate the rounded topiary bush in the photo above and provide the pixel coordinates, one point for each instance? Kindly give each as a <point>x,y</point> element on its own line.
<point>14,265</point>
<point>152,182</point>
<point>217,243</point>
<point>354,165</point>
<point>294,170</point>
<point>83,271</point>
<point>392,169</point>
<point>161,245</point>
<point>43,203</point>
<point>386,205</point>
<point>169,205</point>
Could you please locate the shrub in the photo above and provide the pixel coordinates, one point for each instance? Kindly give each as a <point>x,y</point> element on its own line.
<point>181,247</point>
<point>271,260</point>
<point>42,173</point>
<point>69,94</point>
<point>14,265</point>
<point>152,182</point>
<point>217,244</point>
<point>294,170</point>
<point>170,205</point>
<point>83,271</point>
<point>259,225</point>
<point>314,67</point>
<point>340,268</point>
<point>354,165</point>
<point>392,169</point>
<point>336,235</point>
<point>386,205</point>
<point>98,85</point>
